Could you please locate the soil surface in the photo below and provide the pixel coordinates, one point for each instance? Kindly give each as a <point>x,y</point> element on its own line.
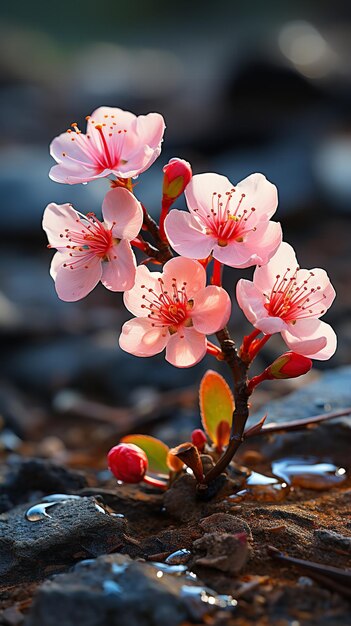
<point>105,551</point>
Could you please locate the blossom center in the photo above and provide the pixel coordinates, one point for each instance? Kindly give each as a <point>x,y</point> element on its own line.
<point>227,221</point>
<point>292,299</point>
<point>168,309</point>
<point>91,239</point>
<point>103,145</point>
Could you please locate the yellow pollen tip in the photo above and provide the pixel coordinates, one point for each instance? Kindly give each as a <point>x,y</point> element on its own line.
<point>173,309</point>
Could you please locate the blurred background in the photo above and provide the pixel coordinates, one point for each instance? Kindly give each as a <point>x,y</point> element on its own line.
<point>243,87</point>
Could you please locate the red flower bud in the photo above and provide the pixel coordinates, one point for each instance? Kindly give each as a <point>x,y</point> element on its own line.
<point>288,365</point>
<point>177,175</point>
<point>127,462</point>
<point>199,439</point>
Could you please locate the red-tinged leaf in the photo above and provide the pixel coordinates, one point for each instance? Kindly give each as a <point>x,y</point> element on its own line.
<point>223,434</point>
<point>216,403</point>
<point>155,450</point>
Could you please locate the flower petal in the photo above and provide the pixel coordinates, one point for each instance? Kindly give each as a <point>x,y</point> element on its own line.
<point>265,277</point>
<point>150,129</point>
<point>211,310</point>
<point>256,249</point>
<point>118,273</point>
<point>142,144</point>
<point>312,338</point>
<point>122,211</point>
<point>75,284</point>
<point>250,300</point>
<point>146,282</point>
<point>57,262</point>
<point>259,193</point>
<point>324,294</point>
<point>56,219</point>
<point>76,159</point>
<point>140,338</point>
<point>124,119</point>
<point>186,348</point>
<point>186,235</point>
<point>199,192</point>
<point>187,273</point>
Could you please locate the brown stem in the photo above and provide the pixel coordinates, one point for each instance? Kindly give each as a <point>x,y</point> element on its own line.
<point>164,252</point>
<point>241,395</point>
<point>332,577</point>
<point>268,429</point>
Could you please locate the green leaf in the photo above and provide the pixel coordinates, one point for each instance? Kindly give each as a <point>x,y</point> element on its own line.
<point>155,450</point>
<point>216,404</point>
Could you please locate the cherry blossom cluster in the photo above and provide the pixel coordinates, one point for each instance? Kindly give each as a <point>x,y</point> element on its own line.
<point>180,302</point>
<point>230,224</point>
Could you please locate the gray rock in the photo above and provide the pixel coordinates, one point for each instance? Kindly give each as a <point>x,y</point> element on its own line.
<point>70,530</point>
<point>224,552</point>
<point>333,541</point>
<point>332,391</point>
<point>225,523</point>
<point>22,478</point>
<point>113,590</point>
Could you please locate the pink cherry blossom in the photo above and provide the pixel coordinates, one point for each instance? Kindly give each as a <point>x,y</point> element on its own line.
<point>174,310</point>
<point>116,142</point>
<point>89,250</point>
<point>231,223</point>
<point>284,298</point>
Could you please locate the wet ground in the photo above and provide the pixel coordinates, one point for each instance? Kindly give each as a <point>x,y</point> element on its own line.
<point>68,532</point>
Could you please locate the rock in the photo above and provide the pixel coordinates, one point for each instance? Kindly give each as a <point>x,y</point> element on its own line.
<point>97,360</point>
<point>333,540</point>
<point>332,391</point>
<point>115,590</point>
<point>222,551</point>
<point>21,479</point>
<point>70,530</point>
<point>180,500</point>
<point>225,523</point>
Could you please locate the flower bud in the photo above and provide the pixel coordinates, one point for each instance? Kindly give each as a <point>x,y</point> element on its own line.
<point>289,365</point>
<point>199,439</point>
<point>127,462</point>
<point>177,175</point>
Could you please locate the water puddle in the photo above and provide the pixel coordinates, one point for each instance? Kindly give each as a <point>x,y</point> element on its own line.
<point>262,488</point>
<point>306,472</point>
<point>309,473</point>
<point>39,511</point>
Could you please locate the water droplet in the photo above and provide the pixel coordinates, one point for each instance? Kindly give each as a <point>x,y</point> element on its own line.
<point>208,596</point>
<point>117,568</point>
<point>263,488</point>
<point>100,508</point>
<point>179,556</point>
<point>309,473</point>
<point>110,586</point>
<point>83,564</point>
<point>60,497</point>
<point>175,570</point>
<point>37,512</point>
